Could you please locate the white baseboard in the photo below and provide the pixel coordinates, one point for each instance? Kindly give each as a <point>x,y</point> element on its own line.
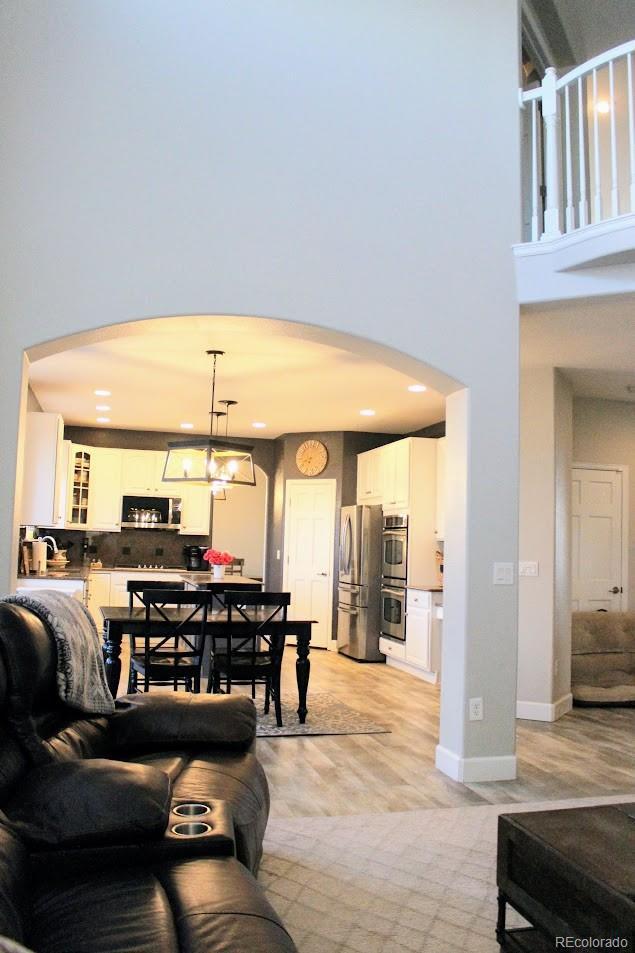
<point>466,770</point>
<point>421,673</point>
<point>544,711</point>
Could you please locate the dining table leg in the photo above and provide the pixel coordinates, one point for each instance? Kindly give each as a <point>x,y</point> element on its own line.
<point>302,671</point>
<point>113,634</point>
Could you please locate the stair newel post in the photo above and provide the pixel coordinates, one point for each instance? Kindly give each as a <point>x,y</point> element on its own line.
<point>553,177</point>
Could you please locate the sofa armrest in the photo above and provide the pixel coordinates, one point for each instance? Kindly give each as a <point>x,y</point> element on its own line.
<point>157,720</point>
<point>88,803</point>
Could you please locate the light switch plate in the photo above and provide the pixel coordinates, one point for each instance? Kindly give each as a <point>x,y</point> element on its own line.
<point>503,574</point>
<point>527,568</point>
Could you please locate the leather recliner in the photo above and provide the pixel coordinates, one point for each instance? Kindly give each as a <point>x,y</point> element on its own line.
<point>85,864</point>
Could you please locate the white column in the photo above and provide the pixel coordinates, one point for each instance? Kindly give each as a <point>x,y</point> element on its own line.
<point>12,419</point>
<point>480,618</point>
<point>553,177</point>
<point>544,616</point>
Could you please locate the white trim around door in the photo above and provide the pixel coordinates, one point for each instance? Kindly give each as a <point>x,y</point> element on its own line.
<point>309,546</point>
<point>622,470</point>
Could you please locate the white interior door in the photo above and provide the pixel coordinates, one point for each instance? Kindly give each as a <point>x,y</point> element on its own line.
<point>596,537</point>
<point>309,538</point>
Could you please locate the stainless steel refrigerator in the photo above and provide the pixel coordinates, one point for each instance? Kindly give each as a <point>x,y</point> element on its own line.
<point>359,587</point>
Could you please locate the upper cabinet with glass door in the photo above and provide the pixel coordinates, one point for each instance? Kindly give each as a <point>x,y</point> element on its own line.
<point>78,486</point>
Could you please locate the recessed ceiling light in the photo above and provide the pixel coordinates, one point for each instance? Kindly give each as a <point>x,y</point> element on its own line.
<point>367,412</point>
<point>187,426</point>
<point>103,420</point>
<point>102,393</point>
<point>602,106</point>
<point>417,388</point>
<point>102,407</point>
<point>258,424</point>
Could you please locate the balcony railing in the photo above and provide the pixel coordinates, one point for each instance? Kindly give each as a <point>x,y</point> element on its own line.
<point>579,160</point>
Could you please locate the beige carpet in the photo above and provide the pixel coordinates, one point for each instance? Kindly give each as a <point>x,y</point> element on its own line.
<point>411,882</point>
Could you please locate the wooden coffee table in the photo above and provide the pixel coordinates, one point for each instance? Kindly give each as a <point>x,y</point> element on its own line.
<point>570,873</point>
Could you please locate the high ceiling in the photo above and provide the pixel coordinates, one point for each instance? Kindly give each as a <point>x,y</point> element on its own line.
<point>592,340</point>
<point>159,377</point>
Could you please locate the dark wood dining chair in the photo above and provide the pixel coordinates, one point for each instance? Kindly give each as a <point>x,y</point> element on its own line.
<point>135,587</point>
<point>248,655</point>
<point>235,567</point>
<point>173,643</point>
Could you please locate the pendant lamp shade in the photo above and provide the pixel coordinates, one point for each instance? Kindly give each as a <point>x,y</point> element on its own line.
<point>213,461</point>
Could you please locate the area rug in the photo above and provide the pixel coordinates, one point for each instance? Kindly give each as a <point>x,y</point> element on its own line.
<point>326,716</point>
<point>411,882</point>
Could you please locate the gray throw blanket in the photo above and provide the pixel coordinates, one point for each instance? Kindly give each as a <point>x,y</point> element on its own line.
<point>81,677</point>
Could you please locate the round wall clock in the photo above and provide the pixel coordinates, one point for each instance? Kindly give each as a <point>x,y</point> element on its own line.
<point>312,457</point>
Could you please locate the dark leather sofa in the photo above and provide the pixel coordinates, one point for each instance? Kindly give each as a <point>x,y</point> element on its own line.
<point>89,862</point>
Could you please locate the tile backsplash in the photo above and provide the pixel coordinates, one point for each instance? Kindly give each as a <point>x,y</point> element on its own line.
<point>129,547</point>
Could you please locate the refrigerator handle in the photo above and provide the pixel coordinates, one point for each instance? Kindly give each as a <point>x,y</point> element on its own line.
<point>349,543</point>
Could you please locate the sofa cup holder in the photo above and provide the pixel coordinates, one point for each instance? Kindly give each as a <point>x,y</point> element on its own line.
<point>190,829</point>
<point>191,809</point>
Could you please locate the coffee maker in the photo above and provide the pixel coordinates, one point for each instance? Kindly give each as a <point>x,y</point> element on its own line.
<point>194,558</point>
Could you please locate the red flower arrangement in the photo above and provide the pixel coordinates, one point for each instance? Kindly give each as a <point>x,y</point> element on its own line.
<point>216,558</point>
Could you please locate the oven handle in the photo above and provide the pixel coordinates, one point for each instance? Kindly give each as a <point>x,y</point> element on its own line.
<point>396,592</point>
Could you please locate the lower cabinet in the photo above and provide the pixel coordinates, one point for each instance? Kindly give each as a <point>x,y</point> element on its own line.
<point>97,595</point>
<point>420,653</point>
<point>418,614</point>
<point>72,587</point>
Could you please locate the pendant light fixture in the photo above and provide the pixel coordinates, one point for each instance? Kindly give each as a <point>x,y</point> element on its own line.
<point>215,462</point>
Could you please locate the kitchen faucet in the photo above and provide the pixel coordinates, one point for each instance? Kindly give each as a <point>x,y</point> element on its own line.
<point>49,539</point>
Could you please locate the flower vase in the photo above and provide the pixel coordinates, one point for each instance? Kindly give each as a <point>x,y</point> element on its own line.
<point>218,572</point>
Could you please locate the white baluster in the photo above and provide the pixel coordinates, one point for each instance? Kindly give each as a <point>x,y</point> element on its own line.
<point>631,126</point>
<point>552,155</point>
<point>597,197</point>
<point>583,205</point>
<point>615,195</point>
<point>535,188</point>
<point>570,212</point>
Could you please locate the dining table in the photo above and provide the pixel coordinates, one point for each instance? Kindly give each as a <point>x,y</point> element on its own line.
<point>123,620</point>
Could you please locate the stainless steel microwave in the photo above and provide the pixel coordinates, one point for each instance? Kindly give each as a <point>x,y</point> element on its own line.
<point>151,512</point>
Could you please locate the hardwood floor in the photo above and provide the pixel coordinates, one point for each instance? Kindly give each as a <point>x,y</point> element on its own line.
<point>589,752</point>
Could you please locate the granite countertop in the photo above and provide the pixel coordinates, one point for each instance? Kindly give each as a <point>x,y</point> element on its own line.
<point>76,572</point>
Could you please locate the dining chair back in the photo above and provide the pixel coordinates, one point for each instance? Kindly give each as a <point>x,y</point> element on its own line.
<point>135,587</point>
<point>250,653</point>
<point>173,640</point>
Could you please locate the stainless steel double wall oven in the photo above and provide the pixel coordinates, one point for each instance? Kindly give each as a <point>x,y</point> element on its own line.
<point>394,576</point>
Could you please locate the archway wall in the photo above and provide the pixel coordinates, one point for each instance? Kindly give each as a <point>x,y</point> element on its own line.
<point>332,164</point>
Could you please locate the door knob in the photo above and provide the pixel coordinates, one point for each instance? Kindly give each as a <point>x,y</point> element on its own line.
<point>322,574</point>
<point>615,590</point>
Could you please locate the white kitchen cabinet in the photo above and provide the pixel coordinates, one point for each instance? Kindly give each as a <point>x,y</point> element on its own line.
<point>369,477</point>
<point>104,497</point>
<point>97,595</point>
<point>418,628</point>
<point>392,648</point>
<point>139,470</point>
<point>195,509</point>
<point>119,595</point>
<point>80,460</point>
<point>395,474</point>
<point>439,531</point>
<point>45,471</point>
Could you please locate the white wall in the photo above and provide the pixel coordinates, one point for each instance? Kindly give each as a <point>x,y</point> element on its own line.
<point>544,601</point>
<point>303,161</point>
<point>604,432</point>
<point>239,524</point>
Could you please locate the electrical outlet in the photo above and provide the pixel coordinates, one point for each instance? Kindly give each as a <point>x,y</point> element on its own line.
<point>556,666</point>
<point>476,709</point>
<point>277,554</point>
<point>158,551</point>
